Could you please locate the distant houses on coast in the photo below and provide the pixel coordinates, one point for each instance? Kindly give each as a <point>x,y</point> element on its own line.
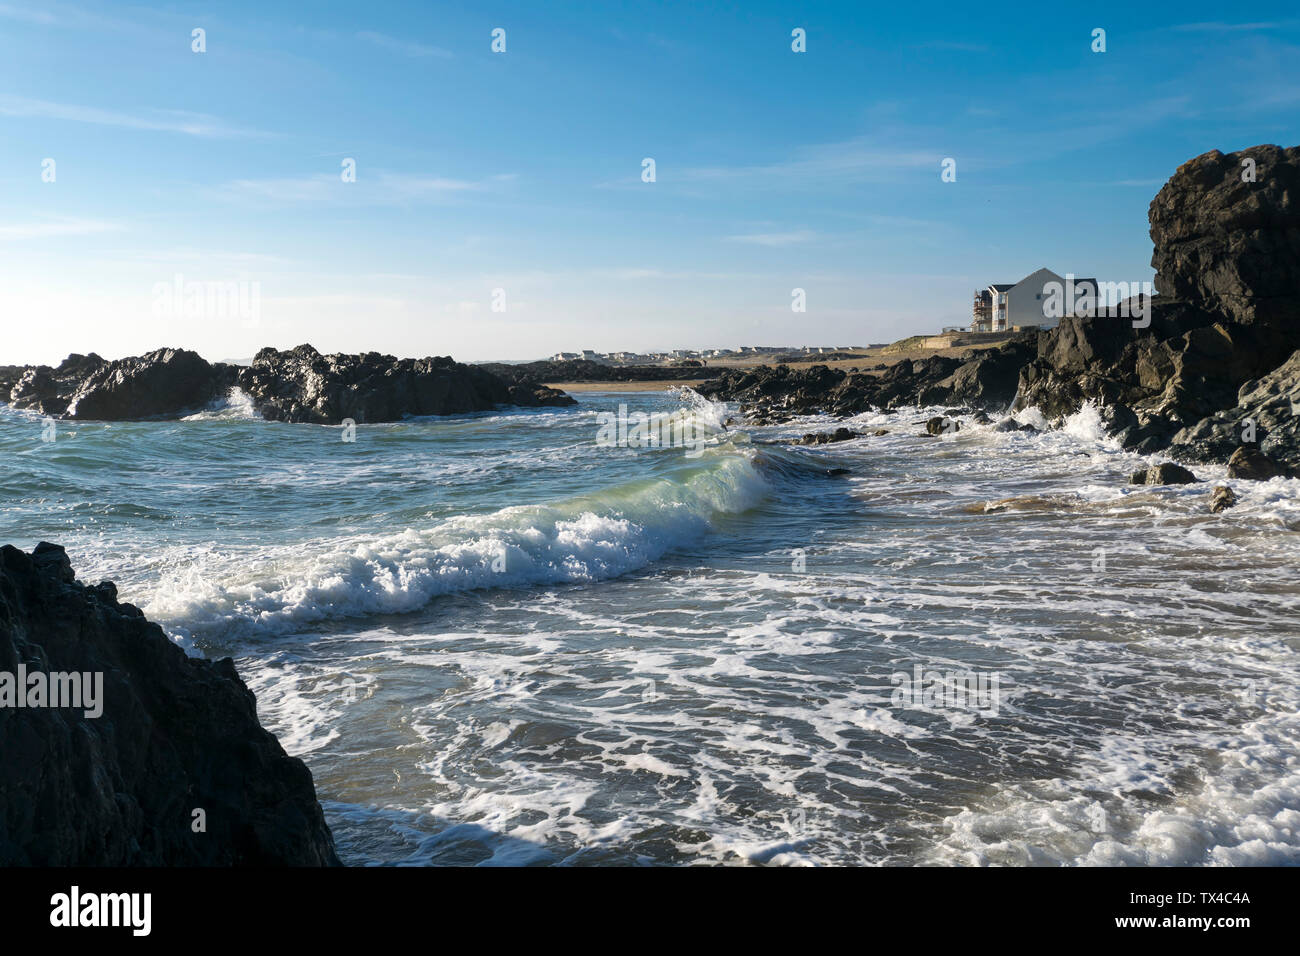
<point>699,355</point>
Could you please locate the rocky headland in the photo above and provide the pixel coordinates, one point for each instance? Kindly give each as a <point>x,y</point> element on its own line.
<point>1210,373</point>
<point>121,750</point>
<point>296,385</point>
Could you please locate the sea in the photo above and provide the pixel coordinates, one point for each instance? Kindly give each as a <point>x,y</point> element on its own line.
<point>497,639</point>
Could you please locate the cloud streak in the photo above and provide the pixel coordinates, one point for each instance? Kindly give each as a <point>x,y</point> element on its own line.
<point>381,187</point>
<point>55,228</point>
<point>775,238</point>
<point>163,121</point>
<point>404,47</point>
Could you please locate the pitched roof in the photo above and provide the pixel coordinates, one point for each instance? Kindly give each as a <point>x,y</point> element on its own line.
<point>1002,286</point>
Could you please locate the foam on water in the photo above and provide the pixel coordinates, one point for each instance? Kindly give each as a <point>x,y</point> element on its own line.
<point>690,660</point>
<point>588,538</point>
<point>236,404</point>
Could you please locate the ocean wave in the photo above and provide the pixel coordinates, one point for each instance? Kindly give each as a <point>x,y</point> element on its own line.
<point>587,538</point>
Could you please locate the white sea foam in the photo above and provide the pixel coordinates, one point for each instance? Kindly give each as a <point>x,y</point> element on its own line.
<point>236,404</point>
<point>590,538</point>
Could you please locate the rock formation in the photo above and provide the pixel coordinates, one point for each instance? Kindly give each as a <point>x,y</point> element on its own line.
<point>298,385</point>
<point>301,385</point>
<point>174,735</point>
<point>1211,368</point>
<point>986,380</point>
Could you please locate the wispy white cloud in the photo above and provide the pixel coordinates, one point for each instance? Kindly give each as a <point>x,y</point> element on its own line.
<point>379,186</point>
<point>54,228</point>
<point>41,17</point>
<point>776,238</point>
<point>854,160</point>
<point>404,47</point>
<point>169,121</point>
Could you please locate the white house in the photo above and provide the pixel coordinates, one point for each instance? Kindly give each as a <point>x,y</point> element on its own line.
<point>1027,304</point>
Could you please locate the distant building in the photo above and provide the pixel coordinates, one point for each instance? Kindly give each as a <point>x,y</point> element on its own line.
<point>565,356</point>
<point>1004,307</point>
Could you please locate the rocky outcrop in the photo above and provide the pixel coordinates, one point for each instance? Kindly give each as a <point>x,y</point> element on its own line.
<point>302,385</point>
<point>173,736</point>
<point>1264,417</point>
<point>48,390</point>
<point>298,385</point>
<point>1227,255</point>
<point>1226,230</point>
<point>986,380</point>
<point>1184,378</point>
<point>162,383</point>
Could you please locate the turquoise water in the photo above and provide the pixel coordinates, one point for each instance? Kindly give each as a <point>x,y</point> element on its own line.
<point>493,640</point>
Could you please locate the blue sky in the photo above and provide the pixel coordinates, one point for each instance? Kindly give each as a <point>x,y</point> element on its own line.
<point>522,170</point>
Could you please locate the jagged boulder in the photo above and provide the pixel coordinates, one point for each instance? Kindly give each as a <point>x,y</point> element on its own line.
<point>173,735</point>
<point>162,383</point>
<point>1250,463</point>
<point>47,390</point>
<point>1166,473</point>
<point>1265,413</point>
<point>298,385</point>
<point>1222,498</point>
<point>302,385</point>
<point>991,378</point>
<point>1226,229</point>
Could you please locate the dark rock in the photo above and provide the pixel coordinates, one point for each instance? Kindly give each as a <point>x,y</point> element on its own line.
<point>1011,425</point>
<point>1250,463</point>
<point>163,383</point>
<point>1204,357</point>
<point>942,426</point>
<point>1264,414</point>
<point>1221,499</point>
<point>880,431</point>
<point>1166,473</point>
<point>1228,259</point>
<point>301,385</point>
<point>175,734</point>
<point>1231,244</point>
<point>824,438</point>
<point>987,379</point>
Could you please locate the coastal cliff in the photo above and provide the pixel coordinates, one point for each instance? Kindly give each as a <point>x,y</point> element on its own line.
<point>157,758</point>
